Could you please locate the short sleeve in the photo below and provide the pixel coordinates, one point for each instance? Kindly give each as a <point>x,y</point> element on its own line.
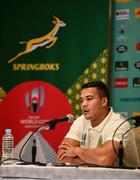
<point>76,129</point>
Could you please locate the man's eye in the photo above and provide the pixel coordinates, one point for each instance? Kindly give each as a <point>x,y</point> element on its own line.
<point>81,100</point>
<point>89,99</point>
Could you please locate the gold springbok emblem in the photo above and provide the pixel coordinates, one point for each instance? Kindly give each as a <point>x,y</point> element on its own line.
<point>48,40</point>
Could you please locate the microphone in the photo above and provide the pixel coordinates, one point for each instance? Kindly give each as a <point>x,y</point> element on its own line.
<point>68,118</point>
<point>52,123</point>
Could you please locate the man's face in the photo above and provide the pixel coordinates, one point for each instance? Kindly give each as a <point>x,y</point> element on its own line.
<point>91,103</point>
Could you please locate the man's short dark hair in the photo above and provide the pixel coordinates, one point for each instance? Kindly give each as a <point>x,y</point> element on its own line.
<point>99,85</point>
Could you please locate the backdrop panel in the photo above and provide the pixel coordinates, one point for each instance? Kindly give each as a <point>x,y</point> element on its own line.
<point>125,63</point>
<point>60,44</point>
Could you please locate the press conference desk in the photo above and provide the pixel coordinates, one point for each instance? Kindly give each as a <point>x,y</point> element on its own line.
<point>30,172</point>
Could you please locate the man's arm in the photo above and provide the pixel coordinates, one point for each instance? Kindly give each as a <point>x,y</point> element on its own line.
<point>102,156</point>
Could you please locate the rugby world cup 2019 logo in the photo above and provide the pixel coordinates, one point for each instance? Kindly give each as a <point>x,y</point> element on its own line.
<point>34,100</point>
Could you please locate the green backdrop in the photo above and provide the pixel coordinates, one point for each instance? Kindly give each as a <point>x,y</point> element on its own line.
<point>80,53</point>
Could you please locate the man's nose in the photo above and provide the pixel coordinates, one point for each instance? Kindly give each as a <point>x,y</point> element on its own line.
<point>84,103</point>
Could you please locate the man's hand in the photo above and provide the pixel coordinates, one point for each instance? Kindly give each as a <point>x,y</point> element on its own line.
<point>66,150</point>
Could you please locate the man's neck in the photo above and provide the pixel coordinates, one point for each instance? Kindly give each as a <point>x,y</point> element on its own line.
<point>100,119</point>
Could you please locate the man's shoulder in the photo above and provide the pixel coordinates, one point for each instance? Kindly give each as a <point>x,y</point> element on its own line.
<point>80,121</point>
<point>119,119</point>
<point>118,116</point>
<point>81,117</point>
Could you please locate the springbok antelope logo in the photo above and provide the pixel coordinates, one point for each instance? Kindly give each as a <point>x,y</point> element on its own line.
<point>48,40</point>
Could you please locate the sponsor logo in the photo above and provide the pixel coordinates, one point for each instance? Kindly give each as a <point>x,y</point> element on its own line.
<point>122,29</point>
<point>122,37</point>
<point>121,83</point>
<point>34,100</point>
<point>122,1</point>
<point>136,82</point>
<point>121,48</point>
<point>138,46</point>
<point>47,40</point>
<point>130,99</point>
<point>122,14</point>
<point>137,12</point>
<point>121,66</point>
<point>137,65</point>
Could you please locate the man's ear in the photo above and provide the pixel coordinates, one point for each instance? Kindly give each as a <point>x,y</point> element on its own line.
<point>104,101</point>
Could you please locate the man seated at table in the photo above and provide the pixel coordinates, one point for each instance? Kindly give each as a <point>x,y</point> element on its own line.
<point>91,138</point>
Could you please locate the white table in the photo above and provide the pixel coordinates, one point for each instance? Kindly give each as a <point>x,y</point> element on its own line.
<point>30,172</point>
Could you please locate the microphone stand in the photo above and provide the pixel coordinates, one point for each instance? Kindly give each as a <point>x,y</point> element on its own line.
<point>120,154</point>
<point>50,125</point>
<point>121,150</point>
<point>33,147</point>
<point>34,150</point>
<point>114,136</point>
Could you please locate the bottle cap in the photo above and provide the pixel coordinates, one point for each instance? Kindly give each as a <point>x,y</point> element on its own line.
<point>8,131</point>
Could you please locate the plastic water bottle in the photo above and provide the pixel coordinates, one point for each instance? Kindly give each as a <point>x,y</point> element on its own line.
<point>7,146</point>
